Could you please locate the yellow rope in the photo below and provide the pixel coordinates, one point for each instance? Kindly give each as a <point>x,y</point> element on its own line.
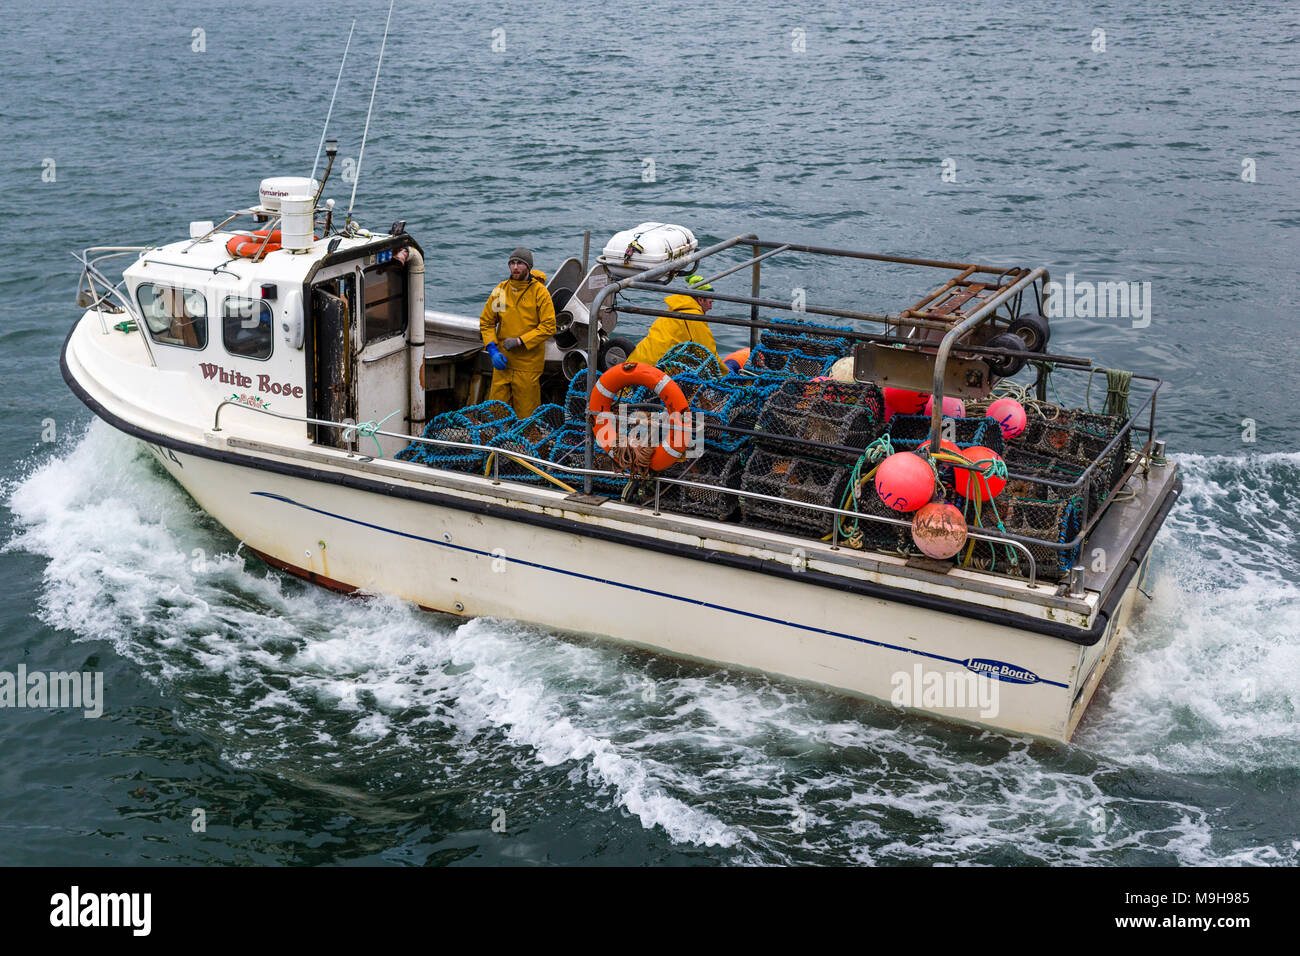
<point>487,469</point>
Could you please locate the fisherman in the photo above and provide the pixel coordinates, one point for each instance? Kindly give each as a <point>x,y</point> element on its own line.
<point>516,321</point>
<point>668,331</point>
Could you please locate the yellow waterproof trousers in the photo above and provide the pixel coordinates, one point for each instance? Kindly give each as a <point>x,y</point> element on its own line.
<point>521,390</point>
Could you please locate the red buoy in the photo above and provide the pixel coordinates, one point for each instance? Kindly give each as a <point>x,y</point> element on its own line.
<point>901,401</point>
<point>904,481</point>
<point>974,485</point>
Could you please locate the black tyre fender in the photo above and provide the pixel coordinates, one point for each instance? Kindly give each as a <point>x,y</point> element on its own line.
<point>615,352</point>
<point>1004,366</point>
<point>1033,330</point>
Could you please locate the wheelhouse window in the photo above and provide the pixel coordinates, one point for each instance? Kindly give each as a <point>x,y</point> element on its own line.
<point>174,316</point>
<point>246,328</point>
<point>385,299</point>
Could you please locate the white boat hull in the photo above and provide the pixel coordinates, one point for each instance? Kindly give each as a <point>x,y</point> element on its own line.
<point>468,564</point>
<point>862,623</point>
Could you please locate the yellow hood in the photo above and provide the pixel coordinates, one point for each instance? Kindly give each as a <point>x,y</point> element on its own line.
<point>683,303</point>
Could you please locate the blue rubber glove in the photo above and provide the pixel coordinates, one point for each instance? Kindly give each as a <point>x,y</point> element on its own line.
<point>499,360</point>
<point>732,364</point>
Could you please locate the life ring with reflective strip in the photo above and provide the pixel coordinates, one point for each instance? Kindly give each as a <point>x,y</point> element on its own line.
<point>673,448</point>
<point>250,247</point>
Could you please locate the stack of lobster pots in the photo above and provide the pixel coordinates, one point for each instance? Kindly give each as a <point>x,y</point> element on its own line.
<point>812,433</point>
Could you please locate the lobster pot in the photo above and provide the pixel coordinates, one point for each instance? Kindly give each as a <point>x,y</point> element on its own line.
<point>1055,521</point>
<point>1031,465</point>
<point>297,223</point>
<point>567,447</point>
<point>878,535</point>
<point>792,335</point>
<point>529,437</point>
<point>475,425</point>
<point>576,398</point>
<point>1076,439</point>
<point>692,358</point>
<point>721,407</point>
<point>763,385</point>
<point>713,468</point>
<point>829,413</point>
<point>909,432</point>
<point>807,362</point>
<point>792,478</point>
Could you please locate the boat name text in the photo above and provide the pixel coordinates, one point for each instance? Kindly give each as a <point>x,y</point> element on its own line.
<point>240,380</point>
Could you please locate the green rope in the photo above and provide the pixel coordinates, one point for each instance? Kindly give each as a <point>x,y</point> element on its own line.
<point>989,468</point>
<point>1051,383</point>
<point>1118,384</point>
<point>876,452</point>
<point>367,430</point>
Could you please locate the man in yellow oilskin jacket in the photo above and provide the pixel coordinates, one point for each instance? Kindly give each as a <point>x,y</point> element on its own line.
<point>667,331</point>
<point>515,323</point>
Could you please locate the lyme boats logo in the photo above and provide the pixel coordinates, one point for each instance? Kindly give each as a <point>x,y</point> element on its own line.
<point>1000,670</point>
<point>76,909</point>
<point>38,689</point>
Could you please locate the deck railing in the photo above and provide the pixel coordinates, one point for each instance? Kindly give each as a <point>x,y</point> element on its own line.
<point>659,480</point>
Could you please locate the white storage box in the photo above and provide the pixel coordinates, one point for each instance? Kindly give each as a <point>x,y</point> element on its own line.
<point>648,245</point>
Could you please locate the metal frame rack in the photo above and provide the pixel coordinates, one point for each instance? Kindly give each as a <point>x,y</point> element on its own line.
<point>956,309</point>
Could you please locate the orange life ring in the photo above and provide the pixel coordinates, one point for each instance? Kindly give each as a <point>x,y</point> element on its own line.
<point>250,247</point>
<point>671,449</point>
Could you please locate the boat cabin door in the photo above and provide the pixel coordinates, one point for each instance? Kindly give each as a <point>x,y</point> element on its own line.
<point>381,368</point>
<point>360,362</point>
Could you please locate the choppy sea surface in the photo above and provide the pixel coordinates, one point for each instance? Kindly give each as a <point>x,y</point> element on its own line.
<point>312,728</point>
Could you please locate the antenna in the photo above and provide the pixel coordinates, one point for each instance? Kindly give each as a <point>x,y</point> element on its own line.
<point>366,132</point>
<point>330,111</point>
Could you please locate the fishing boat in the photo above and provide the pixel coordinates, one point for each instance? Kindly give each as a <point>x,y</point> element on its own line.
<point>282,367</point>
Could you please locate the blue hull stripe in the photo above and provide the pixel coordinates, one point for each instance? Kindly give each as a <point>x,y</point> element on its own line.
<point>632,587</point>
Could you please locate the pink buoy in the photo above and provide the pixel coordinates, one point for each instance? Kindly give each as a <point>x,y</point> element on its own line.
<point>901,401</point>
<point>1010,416</point>
<point>939,529</point>
<point>952,407</point>
<point>904,481</point>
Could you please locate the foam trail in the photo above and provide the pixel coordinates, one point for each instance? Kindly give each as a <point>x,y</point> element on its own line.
<point>1208,678</point>
<point>296,681</point>
<point>133,562</point>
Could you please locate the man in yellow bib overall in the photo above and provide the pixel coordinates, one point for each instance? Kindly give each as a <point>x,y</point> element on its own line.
<point>515,323</point>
